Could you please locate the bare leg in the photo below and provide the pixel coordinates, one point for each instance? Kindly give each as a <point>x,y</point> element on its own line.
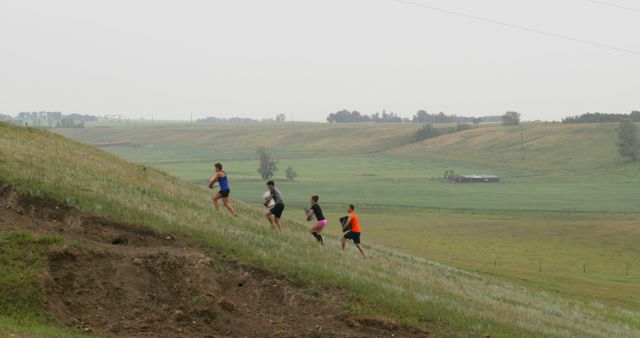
<point>270,218</point>
<point>315,231</point>
<point>215,201</point>
<point>343,242</point>
<point>227,203</point>
<point>316,228</point>
<point>359,246</point>
<point>278,223</point>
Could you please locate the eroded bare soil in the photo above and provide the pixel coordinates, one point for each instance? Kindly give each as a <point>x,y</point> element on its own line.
<point>118,279</point>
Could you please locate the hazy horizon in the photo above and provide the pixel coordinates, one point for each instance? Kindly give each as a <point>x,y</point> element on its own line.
<point>256,59</point>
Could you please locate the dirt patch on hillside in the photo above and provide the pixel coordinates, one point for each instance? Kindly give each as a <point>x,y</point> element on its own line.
<point>116,279</point>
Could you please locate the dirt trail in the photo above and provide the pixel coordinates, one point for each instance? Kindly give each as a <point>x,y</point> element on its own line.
<point>124,280</point>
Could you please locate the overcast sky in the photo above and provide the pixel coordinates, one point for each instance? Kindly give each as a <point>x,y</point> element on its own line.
<point>257,58</point>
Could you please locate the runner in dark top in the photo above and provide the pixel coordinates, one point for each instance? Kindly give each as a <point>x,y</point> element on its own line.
<point>321,222</point>
<point>275,213</point>
<point>223,180</point>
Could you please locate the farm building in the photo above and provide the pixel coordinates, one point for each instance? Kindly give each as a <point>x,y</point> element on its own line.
<point>473,179</point>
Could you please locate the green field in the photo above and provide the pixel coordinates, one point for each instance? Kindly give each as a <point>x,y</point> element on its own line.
<point>564,168</point>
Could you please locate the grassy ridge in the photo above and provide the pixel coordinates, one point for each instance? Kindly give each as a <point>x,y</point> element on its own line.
<point>393,284</point>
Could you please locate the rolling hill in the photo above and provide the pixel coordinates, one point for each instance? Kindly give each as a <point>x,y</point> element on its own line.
<point>550,148</point>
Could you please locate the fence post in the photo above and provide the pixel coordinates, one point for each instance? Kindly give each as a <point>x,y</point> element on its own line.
<point>584,267</point>
<point>540,265</point>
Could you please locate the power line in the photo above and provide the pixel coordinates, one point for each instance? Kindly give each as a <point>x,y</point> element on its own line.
<point>522,28</point>
<point>614,5</point>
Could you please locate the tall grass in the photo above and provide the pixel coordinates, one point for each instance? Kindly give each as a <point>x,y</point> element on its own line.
<point>390,284</point>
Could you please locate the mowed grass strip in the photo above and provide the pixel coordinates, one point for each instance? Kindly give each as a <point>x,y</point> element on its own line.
<point>390,284</point>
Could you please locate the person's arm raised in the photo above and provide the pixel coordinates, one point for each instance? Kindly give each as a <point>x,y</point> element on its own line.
<point>213,181</point>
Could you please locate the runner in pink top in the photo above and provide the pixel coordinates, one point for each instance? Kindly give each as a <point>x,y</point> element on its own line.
<point>321,222</point>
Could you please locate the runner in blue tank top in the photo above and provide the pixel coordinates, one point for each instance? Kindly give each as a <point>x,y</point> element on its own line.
<point>223,181</point>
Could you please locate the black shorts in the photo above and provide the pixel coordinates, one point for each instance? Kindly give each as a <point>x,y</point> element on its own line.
<point>225,193</point>
<point>277,210</point>
<point>355,236</point>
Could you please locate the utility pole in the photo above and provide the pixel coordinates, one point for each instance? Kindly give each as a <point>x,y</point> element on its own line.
<point>191,120</point>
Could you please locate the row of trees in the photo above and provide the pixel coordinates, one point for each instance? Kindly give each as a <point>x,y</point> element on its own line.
<point>241,120</point>
<point>602,118</point>
<point>355,116</point>
<point>422,116</point>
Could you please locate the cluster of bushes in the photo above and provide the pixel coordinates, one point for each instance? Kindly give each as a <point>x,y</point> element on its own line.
<point>602,117</point>
<point>428,131</point>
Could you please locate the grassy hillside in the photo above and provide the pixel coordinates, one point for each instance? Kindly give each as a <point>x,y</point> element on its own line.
<point>390,284</point>
<point>574,151</point>
<point>228,141</point>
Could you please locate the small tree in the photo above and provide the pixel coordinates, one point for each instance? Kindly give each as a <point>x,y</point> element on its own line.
<point>268,165</point>
<point>511,118</point>
<point>628,145</point>
<point>291,173</point>
<point>281,117</point>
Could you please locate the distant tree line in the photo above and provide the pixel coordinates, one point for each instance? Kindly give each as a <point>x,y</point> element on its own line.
<point>241,120</point>
<point>355,116</point>
<point>422,116</point>
<point>52,119</point>
<point>69,123</point>
<point>602,118</point>
<point>213,119</point>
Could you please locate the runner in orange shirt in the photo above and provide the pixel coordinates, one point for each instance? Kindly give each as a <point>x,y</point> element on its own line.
<point>354,233</point>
